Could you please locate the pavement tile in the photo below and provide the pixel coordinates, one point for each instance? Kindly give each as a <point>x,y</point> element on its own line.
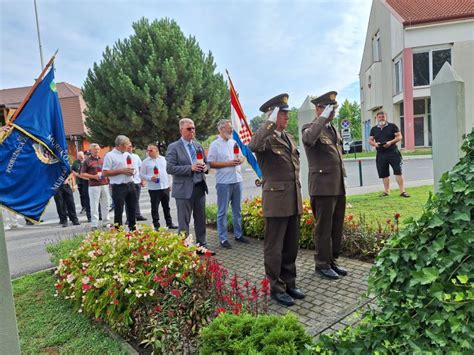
<point>329,304</point>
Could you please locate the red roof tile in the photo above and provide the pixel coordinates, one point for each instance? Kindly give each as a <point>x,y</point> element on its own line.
<point>70,98</point>
<point>416,12</point>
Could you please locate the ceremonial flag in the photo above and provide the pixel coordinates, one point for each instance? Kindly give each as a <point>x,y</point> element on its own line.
<point>241,130</point>
<point>33,154</point>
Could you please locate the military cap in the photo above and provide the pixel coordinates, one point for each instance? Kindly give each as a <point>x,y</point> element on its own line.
<point>328,98</point>
<point>280,101</point>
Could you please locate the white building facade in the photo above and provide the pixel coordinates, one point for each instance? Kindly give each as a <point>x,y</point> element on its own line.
<point>406,46</point>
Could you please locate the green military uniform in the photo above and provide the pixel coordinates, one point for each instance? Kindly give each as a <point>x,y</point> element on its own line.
<point>323,146</point>
<point>278,159</point>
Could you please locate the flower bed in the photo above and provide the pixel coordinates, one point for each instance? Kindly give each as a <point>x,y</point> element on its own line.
<point>361,239</point>
<point>151,287</point>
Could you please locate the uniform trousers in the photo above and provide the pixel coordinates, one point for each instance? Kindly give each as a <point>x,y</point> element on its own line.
<point>280,248</point>
<point>329,215</point>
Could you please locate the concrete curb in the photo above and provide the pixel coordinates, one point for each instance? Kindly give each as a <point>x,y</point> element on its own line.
<point>405,157</point>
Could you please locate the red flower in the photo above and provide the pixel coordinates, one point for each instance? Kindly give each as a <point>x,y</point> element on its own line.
<point>237,308</point>
<point>397,216</point>
<point>389,221</point>
<point>234,283</point>
<point>116,302</point>
<point>219,310</point>
<point>86,287</point>
<point>156,278</point>
<point>350,217</point>
<point>265,286</point>
<point>246,284</point>
<point>176,293</point>
<point>157,309</point>
<point>58,286</point>
<point>309,221</point>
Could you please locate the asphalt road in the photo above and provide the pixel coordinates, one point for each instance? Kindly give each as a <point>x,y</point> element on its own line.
<point>27,245</point>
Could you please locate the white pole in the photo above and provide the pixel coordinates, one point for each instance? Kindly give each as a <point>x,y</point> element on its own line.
<point>39,37</point>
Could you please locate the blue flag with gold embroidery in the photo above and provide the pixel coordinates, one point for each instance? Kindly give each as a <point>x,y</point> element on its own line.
<point>33,154</point>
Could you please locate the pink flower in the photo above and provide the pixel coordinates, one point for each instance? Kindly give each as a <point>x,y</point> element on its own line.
<point>176,293</point>
<point>86,287</point>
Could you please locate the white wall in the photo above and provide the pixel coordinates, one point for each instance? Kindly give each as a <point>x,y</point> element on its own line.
<point>440,33</point>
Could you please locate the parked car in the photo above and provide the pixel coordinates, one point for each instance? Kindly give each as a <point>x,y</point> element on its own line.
<point>355,146</point>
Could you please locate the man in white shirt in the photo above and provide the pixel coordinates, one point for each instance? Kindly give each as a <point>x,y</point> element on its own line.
<point>153,171</point>
<point>227,162</point>
<point>137,164</point>
<point>119,169</point>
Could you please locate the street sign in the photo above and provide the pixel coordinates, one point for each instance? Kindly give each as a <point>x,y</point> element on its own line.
<point>346,138</point>
<point>345,124</point>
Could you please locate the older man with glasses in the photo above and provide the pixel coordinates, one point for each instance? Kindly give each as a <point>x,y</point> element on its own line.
<point>187,163</point>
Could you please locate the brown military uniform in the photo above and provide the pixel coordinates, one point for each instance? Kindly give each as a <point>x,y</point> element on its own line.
<point>279,161</point>
<point>323,146</point>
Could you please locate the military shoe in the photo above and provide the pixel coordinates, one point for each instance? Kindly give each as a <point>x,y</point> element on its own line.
<point>327,273</point>
<point>296,293</point>
<point>283,298</point>
<point>339,269</point>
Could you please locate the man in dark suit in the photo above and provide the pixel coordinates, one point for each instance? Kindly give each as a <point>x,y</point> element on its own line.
<point>323,146</point>
<point>187,163</point>
<point>282,205</point>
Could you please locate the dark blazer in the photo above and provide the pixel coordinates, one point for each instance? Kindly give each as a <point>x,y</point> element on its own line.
<point>178,164</point>
<point>280,165</point>
<point>323,146</point>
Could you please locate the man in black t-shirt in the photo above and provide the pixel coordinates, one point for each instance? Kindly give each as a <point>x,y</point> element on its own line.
<point>384,137</point>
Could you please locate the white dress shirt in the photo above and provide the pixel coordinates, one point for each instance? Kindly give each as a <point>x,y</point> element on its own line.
<point>146,173</point>
<point>136,164</point>
<point>115,159</point>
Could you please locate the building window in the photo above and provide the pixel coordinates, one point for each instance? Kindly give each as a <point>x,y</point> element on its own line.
<point>376,51</point>
<point>419,107</point>
<point>439,58</point>
<point>427,64</point>
<point>398,76</point>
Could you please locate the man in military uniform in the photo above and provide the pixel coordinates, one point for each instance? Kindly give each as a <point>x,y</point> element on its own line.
<point>282,206</point>
<point>323,147</point>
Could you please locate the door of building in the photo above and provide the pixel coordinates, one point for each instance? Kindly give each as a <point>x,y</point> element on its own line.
<point>419,131</point>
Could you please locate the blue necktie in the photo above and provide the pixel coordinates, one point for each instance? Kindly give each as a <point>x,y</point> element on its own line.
<point>192,152</point>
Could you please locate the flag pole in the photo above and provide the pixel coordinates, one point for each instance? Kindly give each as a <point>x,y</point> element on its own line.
<point>32,89</point>
<point>10,341</point>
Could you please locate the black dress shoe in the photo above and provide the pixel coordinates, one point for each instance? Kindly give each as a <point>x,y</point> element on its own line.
<point>225,244</point>
<point>203,252</point>
<point>242,240</point>
<point>64,224</point>
<point>172,226</point>
<point>339,269</point>
<point>141,218</point>
<point>327,273</point>
<point>296,293</point>
<point>283,298</point>
<point>76,223</point>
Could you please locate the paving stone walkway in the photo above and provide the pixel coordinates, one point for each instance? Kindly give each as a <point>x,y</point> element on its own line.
<point>329,304</point>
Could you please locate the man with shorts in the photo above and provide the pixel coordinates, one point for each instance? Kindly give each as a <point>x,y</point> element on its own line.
<point>384,137</point>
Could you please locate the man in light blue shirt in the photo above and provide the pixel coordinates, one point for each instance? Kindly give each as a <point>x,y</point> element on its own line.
<point>225,157</point>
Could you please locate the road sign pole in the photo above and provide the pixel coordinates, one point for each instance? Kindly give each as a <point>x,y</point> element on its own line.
<point>360,172</point>
<point>9,340</point>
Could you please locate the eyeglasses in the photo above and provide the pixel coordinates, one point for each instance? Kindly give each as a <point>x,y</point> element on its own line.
<point>191,129</point>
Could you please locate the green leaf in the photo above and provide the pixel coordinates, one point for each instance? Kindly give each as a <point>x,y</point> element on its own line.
<point>426,275</point>
<point>463,278</point>
<point>435,222</point>
<point>462,216</point>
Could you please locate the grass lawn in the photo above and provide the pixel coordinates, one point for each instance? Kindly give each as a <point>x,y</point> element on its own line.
<point>61,250</point>
<point>379,209</point>
<point>420,151</point>
<point>48,325</point>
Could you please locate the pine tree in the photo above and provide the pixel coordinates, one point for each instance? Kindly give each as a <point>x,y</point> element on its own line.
<point>147,82</point>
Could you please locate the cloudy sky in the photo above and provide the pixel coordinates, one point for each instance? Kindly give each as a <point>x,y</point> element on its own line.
<point>303,47</point>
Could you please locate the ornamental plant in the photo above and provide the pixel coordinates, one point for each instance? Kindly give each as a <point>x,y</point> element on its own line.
<point>247,334</point>
<point>150,287</point>
<point>423,279</point>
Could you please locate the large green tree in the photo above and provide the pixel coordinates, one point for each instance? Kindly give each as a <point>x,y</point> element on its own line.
<point>351,112</point>
<point>147,82</point>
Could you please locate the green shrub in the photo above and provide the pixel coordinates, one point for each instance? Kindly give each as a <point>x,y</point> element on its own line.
<point>423,279</point>
<point>247,334</point>
<point>211,217</point>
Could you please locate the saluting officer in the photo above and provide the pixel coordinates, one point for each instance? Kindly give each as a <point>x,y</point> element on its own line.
<point>323,146</point>
<point>282,206</point>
